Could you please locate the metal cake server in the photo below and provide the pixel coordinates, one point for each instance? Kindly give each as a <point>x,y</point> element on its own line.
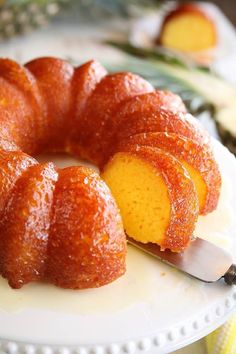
<point>202,260</point>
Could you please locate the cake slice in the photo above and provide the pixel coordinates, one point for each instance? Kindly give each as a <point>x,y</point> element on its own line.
<point>156,196</point>
<point>196,158</point>
<point>188,28</point>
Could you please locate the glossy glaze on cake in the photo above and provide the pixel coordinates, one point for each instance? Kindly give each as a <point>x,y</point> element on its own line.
<point>63,225</point>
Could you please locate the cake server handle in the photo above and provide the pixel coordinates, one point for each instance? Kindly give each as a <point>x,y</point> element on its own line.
<point>230,275</point>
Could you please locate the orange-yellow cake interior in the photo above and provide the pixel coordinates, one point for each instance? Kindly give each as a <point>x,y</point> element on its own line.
<point>191,155</point>
<point>156,140</point>
<point>188,29</point>
<point>142,197</point>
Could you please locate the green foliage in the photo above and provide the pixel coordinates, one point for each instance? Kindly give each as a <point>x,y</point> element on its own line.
<point>158,53</point>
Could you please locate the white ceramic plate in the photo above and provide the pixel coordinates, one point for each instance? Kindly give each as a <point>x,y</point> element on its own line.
<point>152,307</point>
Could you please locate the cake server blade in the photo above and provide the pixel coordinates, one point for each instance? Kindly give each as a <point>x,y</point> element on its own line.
<point>202,260</point>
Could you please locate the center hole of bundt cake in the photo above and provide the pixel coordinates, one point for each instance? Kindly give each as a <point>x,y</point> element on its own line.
<point>62,160</point>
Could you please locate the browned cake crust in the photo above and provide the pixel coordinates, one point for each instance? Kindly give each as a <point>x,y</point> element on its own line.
<point>93,252</point>
<point>63,225</point>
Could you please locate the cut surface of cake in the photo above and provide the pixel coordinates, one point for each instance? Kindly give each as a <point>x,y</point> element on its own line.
<point>156,196</point>
<point>196,158</point>
<point>188,28</point>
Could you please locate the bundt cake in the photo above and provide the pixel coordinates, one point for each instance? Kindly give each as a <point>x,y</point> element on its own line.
<point>64,226</point>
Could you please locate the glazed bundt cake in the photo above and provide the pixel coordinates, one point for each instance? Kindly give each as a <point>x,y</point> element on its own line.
<point>63,225</point>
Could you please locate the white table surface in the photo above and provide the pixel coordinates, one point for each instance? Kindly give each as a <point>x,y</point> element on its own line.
<point>70,40</point>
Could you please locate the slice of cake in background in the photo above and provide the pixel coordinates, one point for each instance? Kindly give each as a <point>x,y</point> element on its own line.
<point>188,28</point>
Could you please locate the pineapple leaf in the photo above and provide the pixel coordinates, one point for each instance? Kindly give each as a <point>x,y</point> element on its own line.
<point>157,53</point>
